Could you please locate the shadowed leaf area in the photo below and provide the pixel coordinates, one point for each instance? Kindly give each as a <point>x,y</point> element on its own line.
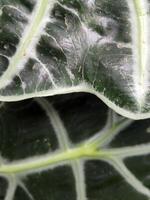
<point>71,147</point>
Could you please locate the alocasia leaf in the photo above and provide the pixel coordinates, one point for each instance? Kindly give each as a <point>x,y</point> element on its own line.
<point>72,147</point>
<point>101,47</point>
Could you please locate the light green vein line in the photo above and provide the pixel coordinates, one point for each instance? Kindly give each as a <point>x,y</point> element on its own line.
<point>82,152</point>
<point>43,162</point>
<point>141,20</point>
<point>140,13</point>
<point>106,136</point>
<point>130,177</point>
<point>27,41</point>
<point>78,170</point>
<point>56,122</point>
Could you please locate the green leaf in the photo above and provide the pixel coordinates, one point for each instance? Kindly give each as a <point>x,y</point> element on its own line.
<point>72,147</point>
<point>101,47</point>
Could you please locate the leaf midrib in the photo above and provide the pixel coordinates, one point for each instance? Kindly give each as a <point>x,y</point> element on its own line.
<point>140,79</point>
<point>82,152</point>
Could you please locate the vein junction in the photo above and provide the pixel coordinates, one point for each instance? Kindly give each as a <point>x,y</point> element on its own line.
<point>80,152</point>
